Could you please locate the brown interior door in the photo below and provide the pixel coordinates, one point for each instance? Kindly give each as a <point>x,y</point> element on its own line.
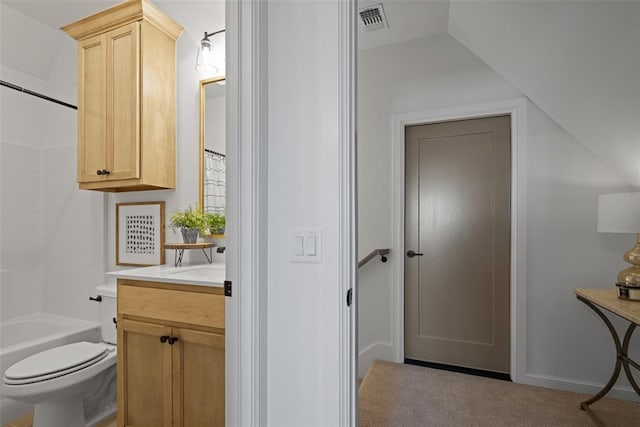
<point>457,223</point>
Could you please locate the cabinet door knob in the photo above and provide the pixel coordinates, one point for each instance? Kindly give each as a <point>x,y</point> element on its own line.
<point>105,172</point>
<point>164,338</point>
<point>99,172</point>
<point>172,340</point>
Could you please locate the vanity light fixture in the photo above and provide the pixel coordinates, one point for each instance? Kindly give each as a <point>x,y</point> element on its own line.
<point>205,62</point>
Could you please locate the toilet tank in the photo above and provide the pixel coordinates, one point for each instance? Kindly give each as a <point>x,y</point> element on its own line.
<point>107,312</point>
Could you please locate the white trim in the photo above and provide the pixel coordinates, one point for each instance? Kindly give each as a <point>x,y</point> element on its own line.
<point>347,269</point>
<point>580,386</point>
<point>517,109</point>
<point>377,350</point>
<point>246,259</point>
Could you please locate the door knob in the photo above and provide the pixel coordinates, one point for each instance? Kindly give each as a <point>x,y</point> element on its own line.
<point>164,338</point>
<point>99,172</point>
<point>411,254</point>
<point>172,340</point>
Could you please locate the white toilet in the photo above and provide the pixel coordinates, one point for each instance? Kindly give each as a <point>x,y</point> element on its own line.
<point>59,379</point>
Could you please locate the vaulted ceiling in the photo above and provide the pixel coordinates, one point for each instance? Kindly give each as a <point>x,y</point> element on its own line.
<point>579,61</point>
<point>34,49</point>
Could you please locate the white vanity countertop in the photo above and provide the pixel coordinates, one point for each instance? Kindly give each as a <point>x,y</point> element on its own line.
<point>198,274</point>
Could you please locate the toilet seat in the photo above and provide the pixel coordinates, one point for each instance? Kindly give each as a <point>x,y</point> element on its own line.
<point>55,362</point>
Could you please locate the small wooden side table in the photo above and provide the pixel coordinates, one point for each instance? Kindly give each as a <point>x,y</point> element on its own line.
<point>629,310</point>
<point>180,248</point>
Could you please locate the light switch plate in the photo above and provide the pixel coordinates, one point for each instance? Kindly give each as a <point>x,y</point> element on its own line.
<point>311,250</point>
<point>299,246</point>
<point>310,245</point>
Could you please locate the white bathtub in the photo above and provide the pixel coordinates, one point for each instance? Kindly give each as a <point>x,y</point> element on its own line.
<point>23,336</point>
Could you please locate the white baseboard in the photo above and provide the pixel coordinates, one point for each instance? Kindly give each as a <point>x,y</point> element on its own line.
<point>384,351</point>
<point>377,350</point>
<point>578,386</point>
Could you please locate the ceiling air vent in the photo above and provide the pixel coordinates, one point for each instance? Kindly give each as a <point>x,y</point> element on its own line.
<point>372,17</point>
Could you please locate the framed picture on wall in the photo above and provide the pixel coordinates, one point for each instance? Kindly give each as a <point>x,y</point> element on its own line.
<point>140,233</point>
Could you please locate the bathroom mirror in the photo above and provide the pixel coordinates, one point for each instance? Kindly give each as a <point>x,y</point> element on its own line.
<point>212,178</point>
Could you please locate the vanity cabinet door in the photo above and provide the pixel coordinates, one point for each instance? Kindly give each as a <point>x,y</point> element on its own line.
<point>198,366</point>
<point>144,375</point>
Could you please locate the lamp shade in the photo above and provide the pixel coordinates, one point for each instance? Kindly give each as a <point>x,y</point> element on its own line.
<point>619,213</point>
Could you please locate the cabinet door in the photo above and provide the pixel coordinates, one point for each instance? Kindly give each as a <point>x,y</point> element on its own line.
<point>123,108</point>
<point>198,369</point>
<point>92,143</point>
<point>144,375</point>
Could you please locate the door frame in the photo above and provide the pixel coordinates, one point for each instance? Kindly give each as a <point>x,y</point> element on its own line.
<point>348,413</point>
<point>516,108</point>
<point>247,254</point>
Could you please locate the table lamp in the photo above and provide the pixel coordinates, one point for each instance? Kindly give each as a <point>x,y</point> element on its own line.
<point>620,213</point>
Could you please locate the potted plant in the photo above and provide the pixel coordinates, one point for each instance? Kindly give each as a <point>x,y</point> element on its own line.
<point>214,222</point>
<point>190,222</point>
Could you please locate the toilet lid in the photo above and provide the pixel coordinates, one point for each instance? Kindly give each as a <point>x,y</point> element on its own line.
<point>55,362</point>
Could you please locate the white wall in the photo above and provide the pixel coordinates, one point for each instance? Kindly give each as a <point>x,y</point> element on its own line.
<point>303,299</point>
<point>564,251</point>
<point>196,17</point>
<point>577,60</point>
<point>52,234</point>
<point>417,75</point>
<point>21,231</point>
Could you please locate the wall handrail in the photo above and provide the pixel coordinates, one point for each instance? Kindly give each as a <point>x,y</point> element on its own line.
<point>374,253</point>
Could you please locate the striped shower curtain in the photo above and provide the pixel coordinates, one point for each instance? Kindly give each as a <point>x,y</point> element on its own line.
<point>214,182</point>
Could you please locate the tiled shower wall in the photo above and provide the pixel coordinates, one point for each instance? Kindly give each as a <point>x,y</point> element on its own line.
<point>51,233</point>
<point>74,244</point>
<point>21,207</point>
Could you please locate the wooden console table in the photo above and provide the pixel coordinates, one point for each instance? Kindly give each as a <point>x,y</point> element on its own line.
<point>180,247</point>
<point>628,310</point>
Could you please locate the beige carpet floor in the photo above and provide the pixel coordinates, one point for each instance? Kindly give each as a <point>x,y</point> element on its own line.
<point>393,394</point>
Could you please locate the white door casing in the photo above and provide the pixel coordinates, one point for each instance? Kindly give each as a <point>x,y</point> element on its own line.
<point>348,262</point>
<point>246,310</point>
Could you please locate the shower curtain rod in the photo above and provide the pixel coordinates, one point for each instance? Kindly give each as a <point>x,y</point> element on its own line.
<point>214,152</point>
<point>32,93</point>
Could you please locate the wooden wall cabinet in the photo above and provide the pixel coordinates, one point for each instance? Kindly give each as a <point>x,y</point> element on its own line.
<point>171,355</point>
<point>126,98</point>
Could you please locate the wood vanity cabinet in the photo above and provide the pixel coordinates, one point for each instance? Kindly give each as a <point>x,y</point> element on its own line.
<point>171,355</point>
<point>126,98</point>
